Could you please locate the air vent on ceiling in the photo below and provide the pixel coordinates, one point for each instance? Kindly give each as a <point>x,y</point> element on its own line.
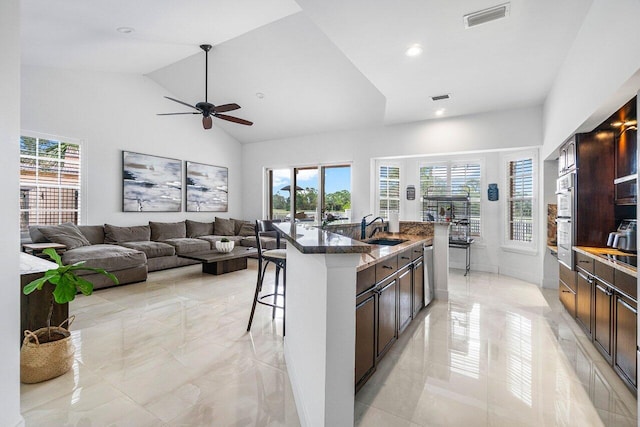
<point>440,97</point>
<point>487,15</point>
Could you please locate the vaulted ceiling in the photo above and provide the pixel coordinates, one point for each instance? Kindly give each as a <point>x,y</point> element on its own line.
<point>320,65</point>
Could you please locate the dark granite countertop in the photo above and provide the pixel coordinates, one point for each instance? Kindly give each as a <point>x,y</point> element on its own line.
<point>313,240</point>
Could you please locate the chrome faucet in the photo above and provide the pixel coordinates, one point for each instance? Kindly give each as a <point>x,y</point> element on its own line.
<point>364,225</point>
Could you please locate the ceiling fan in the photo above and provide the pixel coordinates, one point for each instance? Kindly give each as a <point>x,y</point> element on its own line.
<point>205,108</point>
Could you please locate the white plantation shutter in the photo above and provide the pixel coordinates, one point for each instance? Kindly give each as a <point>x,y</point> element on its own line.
<point>454,178</point>
<point>388,190</point>
<point>520,203</point>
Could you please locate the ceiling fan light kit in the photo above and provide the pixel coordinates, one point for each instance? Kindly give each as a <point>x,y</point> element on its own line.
<point>205,108</point>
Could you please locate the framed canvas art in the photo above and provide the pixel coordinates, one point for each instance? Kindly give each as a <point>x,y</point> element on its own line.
<point>207,188</point>
<point>151,183</point>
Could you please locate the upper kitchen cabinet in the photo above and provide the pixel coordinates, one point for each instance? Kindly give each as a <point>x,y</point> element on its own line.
<point>594,191</point>
<point>625,124</point>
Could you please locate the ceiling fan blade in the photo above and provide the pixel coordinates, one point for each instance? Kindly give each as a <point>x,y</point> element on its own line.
<point>207,122</point>
<point>173,114</point>
<point>233,119</point>
<point>226,107</point>
<point>180,102</point>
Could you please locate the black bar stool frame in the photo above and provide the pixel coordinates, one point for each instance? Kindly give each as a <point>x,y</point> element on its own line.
<point>279,258</point>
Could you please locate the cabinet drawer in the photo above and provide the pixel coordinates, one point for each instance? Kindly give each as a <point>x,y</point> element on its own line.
<point>404,258</point>
<point>386,268</point>
<point>626,283</point>
<point>604,272</point>
<point>568,277</point>
<point>416,252</point>
<point>584,262</point>
<point>365,279</point>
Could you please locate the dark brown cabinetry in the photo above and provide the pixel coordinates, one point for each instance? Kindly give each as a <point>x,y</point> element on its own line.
<point>365,337</point>
<point>405,288</point>
<point>606,308</point>
<point>602,319</point>
<point>626,322</point>
<point>567,289</point>
<point>388,296</point>
<point>583,301</point>
<point>418,286</point>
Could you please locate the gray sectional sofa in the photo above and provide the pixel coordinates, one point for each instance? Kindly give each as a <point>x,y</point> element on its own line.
<point>130,252</point>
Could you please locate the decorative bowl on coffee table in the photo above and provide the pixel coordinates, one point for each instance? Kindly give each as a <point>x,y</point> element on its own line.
<point>224,247</point>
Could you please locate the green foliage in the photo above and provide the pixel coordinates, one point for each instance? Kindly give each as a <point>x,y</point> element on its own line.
<point>224,240</point>
<point>66,282</point>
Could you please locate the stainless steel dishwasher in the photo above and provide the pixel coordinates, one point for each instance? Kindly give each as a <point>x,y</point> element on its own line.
<point>429,292</point>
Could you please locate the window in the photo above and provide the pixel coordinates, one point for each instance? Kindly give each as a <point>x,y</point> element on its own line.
<point>388,190</point>
<point>454,178</point>
<point>49,182</point>
<point>320,191</point>
<point>520,203</point>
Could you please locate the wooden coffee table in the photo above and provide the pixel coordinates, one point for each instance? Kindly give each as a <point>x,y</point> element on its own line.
<point>214,262</point>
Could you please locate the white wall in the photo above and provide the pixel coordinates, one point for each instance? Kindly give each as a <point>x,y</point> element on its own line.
<point>111,112</point>
<point>9,235</point>
<point>599,74</point>
<point>491,131</point>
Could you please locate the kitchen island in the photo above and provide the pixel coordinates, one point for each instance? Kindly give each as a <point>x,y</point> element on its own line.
<point>320,311</point>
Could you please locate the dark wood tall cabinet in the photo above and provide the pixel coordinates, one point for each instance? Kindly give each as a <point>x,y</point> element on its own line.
<point>626,320</point>
<point>594,210</point>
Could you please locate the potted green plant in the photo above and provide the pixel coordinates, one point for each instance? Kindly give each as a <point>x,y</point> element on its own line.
<point>48,352</point>
<point>224,245</point>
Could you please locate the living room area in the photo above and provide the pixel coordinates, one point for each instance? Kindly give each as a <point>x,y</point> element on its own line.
<point>172,347</point>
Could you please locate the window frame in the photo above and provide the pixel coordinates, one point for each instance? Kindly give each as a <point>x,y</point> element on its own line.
<point>450,164</point>
<point>507,242</point>
<point>82,188</point>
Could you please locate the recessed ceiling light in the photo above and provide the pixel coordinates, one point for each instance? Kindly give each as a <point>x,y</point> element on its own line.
<point>259,95</point>
<point>413,50</point>
<point>440,111</point>
<point>125,30</point>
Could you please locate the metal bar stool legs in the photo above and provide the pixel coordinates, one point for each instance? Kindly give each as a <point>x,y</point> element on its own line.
<point>266,299</point>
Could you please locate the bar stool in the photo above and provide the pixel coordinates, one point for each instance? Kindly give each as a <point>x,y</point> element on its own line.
<point>279,258</point>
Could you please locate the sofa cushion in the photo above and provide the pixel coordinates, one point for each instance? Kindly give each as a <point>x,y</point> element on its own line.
<point>224,227</point>
<point>67,234</point>
<point>213,239</point>
<point>246,229</point>
<point>186,245</point>
<point>151,249</point>
<point>161,231</point>
<point>93,233</point>
<point>36,235</point>
<point>116,234</point>
<point>267,242</point>
<point>110,257</point>
<point>196,229</point>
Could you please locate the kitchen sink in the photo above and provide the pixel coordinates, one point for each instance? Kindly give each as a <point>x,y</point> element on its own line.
<point>385,242</point>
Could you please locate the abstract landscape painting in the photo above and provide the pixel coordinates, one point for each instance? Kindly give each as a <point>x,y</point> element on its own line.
<point>206,188</point>
<point>151,183</point>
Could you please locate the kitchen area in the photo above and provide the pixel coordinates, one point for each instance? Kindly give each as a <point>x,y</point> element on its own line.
<point>597,240</point>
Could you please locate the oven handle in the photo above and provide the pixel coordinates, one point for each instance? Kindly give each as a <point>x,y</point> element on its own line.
<point>563,220</point>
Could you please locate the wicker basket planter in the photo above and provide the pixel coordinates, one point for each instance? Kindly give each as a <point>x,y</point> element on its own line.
<point>46,353</point>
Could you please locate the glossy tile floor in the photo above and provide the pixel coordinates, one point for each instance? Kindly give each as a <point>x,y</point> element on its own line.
<point>174,352</point>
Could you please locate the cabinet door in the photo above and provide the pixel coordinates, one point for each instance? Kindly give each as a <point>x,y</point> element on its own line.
<point>567,298</point>
<point>602,319</point>
<point>418,287</point>
<point>387,315</point>
<point>626,328</point>
<point>365,339</point>
<point>405,288</point>
<point>583,302</point>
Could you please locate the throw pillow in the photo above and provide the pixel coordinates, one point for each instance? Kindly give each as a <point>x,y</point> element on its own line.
<point>67,234</point>
<point>167,230</point>
<point>224,227</point>
<point>247,229</point>
<point>197,229</point>
<point>137,233</point>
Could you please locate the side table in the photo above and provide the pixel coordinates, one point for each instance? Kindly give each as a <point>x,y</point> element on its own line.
<point>37,248</point>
